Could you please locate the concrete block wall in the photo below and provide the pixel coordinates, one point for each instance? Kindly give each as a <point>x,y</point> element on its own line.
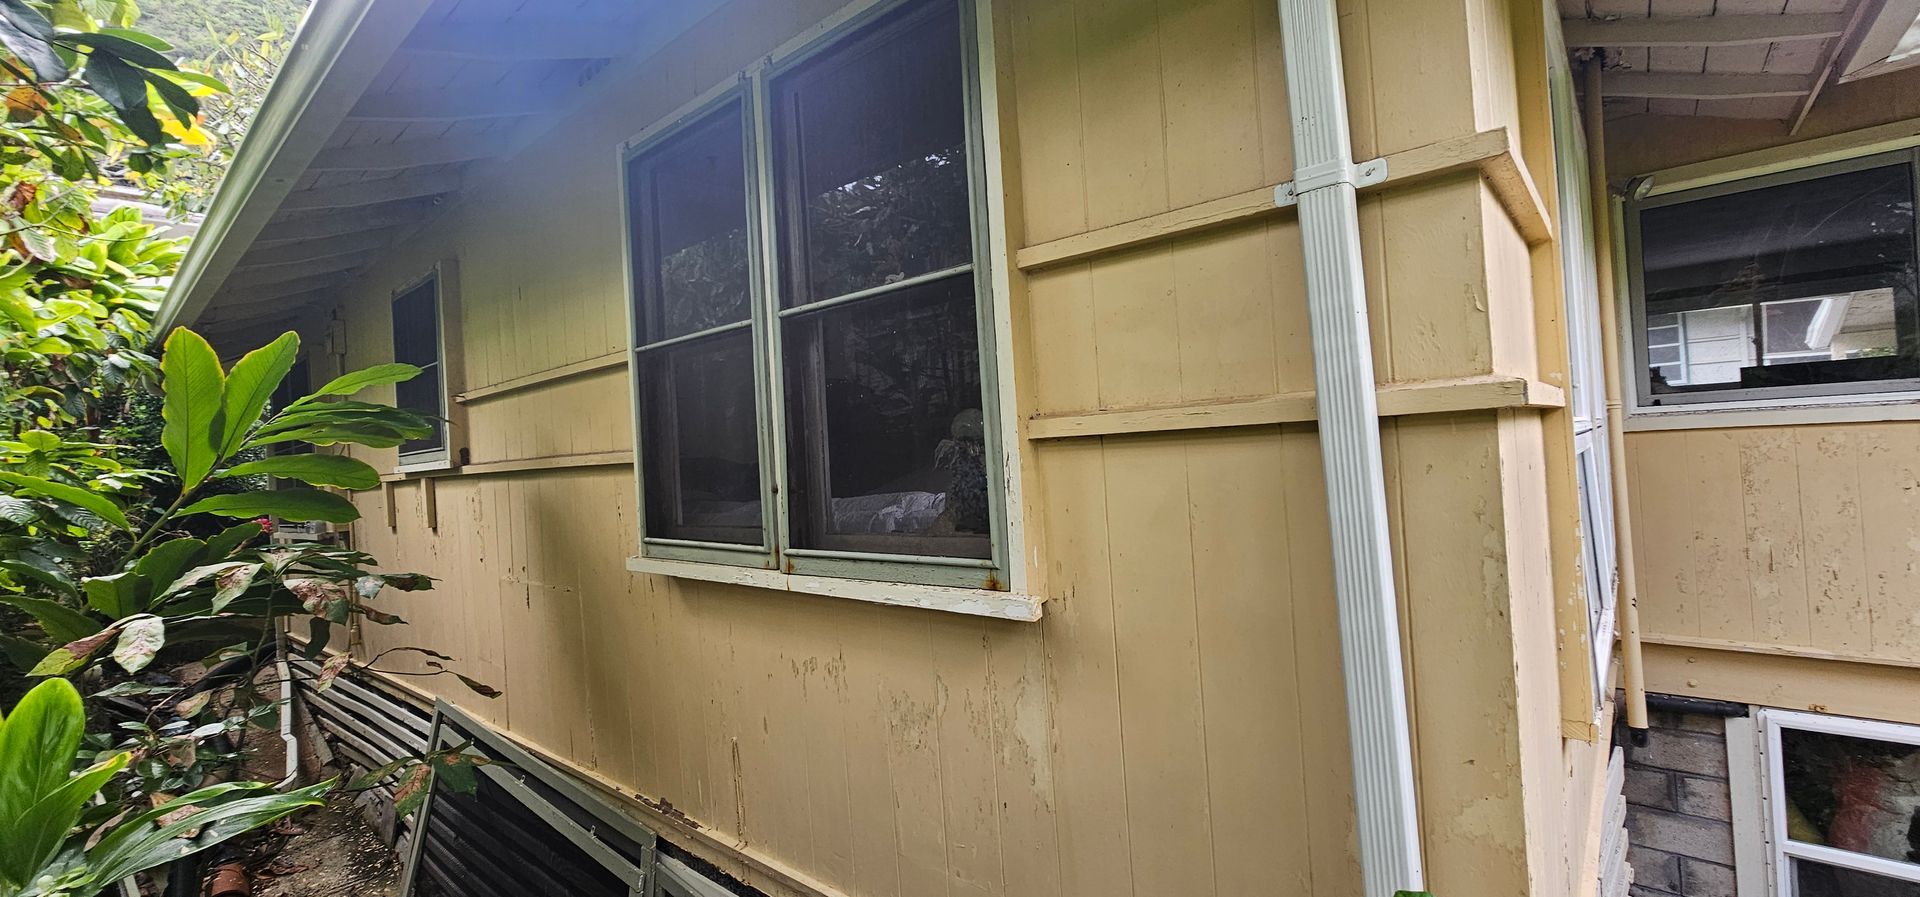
<point>1679,815</point>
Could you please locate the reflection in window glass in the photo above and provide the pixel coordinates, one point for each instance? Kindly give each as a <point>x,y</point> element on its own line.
<point>872,158</point>
<point>1855,794</point>
<point>702,454</point>
<point>889,439</point>
<point>1820,880</point>
<point>416,341</point>
<point>689,205</point>
<point>1795,284</point>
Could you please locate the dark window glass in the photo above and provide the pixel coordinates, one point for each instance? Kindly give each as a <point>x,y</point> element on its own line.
<point>1821,880</point>
<point>689,202</point>
<point>698,427</point>
<point>1802,283</point>
<point>872,158</point>
<point>702,453</point>
<point>888,439</point>
<point>416,341</point>
<point>1860,795</point>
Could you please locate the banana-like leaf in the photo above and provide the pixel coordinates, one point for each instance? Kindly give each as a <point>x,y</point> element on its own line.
<point>141,639</point>
<point>37,744</point>
<point>119,595</point>
<point>164,562</point>
<point>34,839</point>
<point>297,505</point>
<point>353,381</point>
<point>222,546</point>
<point>317,470</point>
<point>250,384</point>
<point>196,388</point>
<point>147,842</point>
<point>92,502</point>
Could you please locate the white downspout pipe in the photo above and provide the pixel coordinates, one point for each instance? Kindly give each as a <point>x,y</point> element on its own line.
<point>1324,187</point>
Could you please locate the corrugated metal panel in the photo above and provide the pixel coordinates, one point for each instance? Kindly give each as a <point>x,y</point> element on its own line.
<point>1615,874</point>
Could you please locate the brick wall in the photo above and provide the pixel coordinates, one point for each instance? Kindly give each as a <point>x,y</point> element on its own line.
<point>1679,817</point>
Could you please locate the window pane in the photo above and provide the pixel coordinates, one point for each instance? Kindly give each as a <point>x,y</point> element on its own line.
<point>888,441</point>
<point>1821,880</point>
<point>690,207</point>
<point>416,341</point>
<point>699,435</point>
<point>872,162</point>
<point>1855,794</point>
<point>1809,282</point>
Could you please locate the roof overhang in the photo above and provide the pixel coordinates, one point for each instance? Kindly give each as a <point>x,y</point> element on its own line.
<point>376,117</point>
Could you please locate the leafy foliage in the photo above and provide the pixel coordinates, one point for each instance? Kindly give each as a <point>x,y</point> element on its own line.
<point>52,846</point>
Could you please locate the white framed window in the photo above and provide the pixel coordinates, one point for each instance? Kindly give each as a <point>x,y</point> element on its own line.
<point>1843,805</point>
<point>1585,367</point>
<point>811,305</point>
<point>419,339</point>
<point>1782,289</point>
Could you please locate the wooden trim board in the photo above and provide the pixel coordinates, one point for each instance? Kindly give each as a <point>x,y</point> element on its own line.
<point>1396,399</point>
<point>542,378</point>
<point>1491,152</point>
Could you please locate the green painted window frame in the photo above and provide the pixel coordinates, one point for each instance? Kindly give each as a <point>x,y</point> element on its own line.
<point>751,91</point>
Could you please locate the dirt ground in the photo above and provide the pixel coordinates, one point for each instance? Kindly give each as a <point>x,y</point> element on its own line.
<point>328,851</point>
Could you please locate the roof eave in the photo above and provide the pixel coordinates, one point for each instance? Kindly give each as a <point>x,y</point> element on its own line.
<point>340,48</point>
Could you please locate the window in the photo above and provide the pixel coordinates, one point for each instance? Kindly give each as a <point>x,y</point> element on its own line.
<point>1585,369</point>
<point>1788,286</point>
<point>417,341</point>
<point>809,308</point>
<point>1844,819</point>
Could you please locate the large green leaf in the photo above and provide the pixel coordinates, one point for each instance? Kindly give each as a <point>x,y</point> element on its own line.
<point>222,546</point>
<point>124,87</point>
<point>164,562</point>
<point>296,505</point>
<point>119,595</point>
<point>62,623</point>
<point>196,388</point>
<point>27,34</point>
<point>37,744</point>
<point>132,51</point>
<point>353,381</point>
<point>93,502</point>
<point>146,842</point>
<point>317,470</point>
<point>250,384</point>
<point>36,836</point>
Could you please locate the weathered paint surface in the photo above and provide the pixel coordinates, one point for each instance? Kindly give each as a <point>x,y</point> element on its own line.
<point>1175,723</point>
<point>1781,563</point>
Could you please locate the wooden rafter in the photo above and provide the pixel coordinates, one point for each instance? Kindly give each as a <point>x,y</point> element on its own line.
<point>1693,86</point>
<point>232,294</point>
<point>332,224</point>
<point>1859,17</point>
<point>409,153</point>
<point>456,103</point>
<point>367,193</point>
<point>535,39</point>
<point>1702,31</point>
<point>245,278</point>
<point>325,247</point>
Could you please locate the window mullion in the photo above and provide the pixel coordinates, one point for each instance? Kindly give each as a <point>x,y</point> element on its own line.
<point>766,301</point>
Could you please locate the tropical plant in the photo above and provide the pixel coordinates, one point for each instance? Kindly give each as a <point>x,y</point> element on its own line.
<point>168,585</point>
<point>56,842</point>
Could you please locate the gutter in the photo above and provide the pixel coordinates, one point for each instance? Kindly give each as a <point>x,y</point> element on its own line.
<point>1324,187</point>
<point>339,49</point>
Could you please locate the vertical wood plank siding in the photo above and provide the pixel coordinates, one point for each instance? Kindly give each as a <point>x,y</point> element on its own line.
<point>1174,725</point>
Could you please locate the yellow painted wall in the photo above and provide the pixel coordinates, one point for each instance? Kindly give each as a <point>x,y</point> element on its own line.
<point>1758,544</point>
<point>1175,724</point>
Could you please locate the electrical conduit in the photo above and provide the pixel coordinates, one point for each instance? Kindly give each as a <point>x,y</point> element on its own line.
<point>1349,424</point>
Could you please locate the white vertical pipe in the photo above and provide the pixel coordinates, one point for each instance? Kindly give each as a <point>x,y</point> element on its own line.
<point>1349,423</point>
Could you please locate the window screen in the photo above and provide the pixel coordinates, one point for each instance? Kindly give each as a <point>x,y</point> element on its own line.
<point>1792,285</point>
<point>416,341</point>
<point>1846,814</point>
<point>806,289</point>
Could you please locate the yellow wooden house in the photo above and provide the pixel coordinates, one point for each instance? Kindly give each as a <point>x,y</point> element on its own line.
<point>1075,448</point>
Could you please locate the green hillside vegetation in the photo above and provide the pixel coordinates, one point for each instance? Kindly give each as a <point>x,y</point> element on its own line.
<point>196,27</point>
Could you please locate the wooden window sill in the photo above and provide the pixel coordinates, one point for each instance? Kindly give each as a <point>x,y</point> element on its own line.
<point>972,602</point>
